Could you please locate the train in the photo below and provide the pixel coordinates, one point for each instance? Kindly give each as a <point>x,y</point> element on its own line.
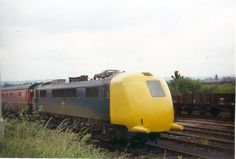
<point>117,105</point>
<point>204,103</point>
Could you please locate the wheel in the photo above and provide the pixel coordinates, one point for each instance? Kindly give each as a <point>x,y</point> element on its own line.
<point>139,139</point>
<point>178,110</point>
<point>190,111</point>
<point>214,111</point>
<point>202,110</point>
<point>232,115</point>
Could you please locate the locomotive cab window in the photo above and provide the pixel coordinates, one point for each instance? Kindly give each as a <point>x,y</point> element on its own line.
<point>155,88</point>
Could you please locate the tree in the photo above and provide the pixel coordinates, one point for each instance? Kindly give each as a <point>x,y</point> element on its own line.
<point>8,85</point>
<point>181,84</point>
<point>176,75</point>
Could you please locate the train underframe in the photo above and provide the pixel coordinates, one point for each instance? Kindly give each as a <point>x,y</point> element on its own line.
<point>16,108</point>
<point>202,110</point>
<point>103,131</point>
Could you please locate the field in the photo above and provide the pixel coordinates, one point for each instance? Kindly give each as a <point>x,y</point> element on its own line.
<point>219,88</point>
<point>31,139</point>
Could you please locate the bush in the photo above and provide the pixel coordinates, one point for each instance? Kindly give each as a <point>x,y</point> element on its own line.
<point>31,139</point>
<point>181,84</point>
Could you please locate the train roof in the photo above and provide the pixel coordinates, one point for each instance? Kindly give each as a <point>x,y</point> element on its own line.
<point>26,86</point>
<point>89,83</point>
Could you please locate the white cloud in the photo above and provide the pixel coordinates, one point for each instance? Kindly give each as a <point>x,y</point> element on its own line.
<point>67,38</point>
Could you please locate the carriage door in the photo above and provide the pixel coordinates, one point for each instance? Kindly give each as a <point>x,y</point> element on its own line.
<point>57,104</point>
<point>105,102</point>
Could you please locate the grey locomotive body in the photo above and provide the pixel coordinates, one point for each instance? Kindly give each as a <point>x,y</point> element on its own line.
<point>84,99</point>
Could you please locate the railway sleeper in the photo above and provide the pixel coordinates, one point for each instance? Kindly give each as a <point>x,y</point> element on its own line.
<point>221,124</point>
<point>204,143</point>
<point>201,138</point>
<point>202,133</point>
<point>215,128</point>
<point>191,150</point>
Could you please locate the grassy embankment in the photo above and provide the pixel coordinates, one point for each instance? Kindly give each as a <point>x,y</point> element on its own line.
<point>219,88</point>
<point>31,139</point>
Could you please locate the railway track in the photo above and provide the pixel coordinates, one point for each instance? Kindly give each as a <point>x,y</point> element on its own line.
<point>214,127</point>
<point>200,139</point>
<point>175,152</point>
<point>220,118</point>
<point>207,139</point>
<point>206,121</point>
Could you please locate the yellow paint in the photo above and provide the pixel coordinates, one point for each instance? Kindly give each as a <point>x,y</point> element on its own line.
<point>177,127</point>
<point>131,102</point>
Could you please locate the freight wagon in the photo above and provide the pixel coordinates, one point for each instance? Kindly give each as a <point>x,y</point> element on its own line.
<point>204,103</point>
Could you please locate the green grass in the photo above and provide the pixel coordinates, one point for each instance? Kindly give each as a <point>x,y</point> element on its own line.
<point>30,139</point>
<point>219,88</point>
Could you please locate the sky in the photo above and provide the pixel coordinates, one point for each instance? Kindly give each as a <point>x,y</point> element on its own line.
<point>50,39</point>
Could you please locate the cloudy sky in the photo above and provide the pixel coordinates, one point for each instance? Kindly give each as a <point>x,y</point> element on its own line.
<point>49,39</point>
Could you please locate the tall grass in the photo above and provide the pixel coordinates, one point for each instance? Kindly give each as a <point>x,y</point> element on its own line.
<point>31,139</point>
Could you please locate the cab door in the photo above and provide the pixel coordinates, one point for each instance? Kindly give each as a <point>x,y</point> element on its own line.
<point>105,102</point>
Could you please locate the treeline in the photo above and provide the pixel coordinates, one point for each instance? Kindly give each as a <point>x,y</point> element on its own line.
<point>13,84</point>
<point>181,84</point>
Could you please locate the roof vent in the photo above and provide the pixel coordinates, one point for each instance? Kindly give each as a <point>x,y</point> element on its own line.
<point>56,81</point>
<point>105,74</point>
<point>146,74</point>
<point>77,79</point>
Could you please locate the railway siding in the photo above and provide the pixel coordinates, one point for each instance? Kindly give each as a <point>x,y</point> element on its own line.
<point>207,127</point>
<point>200,139</point>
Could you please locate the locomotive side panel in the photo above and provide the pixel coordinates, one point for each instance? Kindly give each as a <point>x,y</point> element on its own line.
<point>86,105</point>
<point>46,102</point>
<point>85,100</point>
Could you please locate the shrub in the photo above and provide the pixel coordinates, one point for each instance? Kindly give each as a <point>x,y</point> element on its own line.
<point>31,139</point>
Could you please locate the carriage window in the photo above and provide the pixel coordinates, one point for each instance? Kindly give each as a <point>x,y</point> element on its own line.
<point>70,92</point>
<point>2,94</point>
<point>10,94</point>
<point>92,92</point>
<point>19,93</point>
<point>43,93</point>
<point>155,88</point>
<point>58,92</point>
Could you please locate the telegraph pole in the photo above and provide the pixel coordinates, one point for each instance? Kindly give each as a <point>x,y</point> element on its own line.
<point>1,119</point>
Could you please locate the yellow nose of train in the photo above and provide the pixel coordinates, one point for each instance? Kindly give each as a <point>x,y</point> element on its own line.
<point>142,103</point>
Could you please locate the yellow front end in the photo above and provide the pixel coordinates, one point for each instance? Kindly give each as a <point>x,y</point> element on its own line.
<point>132,104</point>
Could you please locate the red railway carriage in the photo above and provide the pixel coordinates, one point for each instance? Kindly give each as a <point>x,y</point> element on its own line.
<point>14,98</point>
